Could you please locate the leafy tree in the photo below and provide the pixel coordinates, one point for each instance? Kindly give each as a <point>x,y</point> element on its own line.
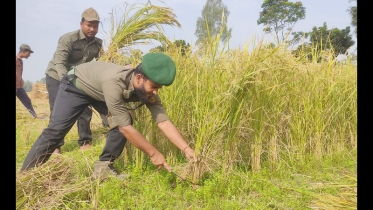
<point>298,37</point>
<point>214,18</point>
<point>353,57</point>
<point>322,38</point>
<point>27,86</point>
<point>339,40</point>
<point>159,48</point>
<point>278,15</point>
<point>180,44</point>
<point>42,80</point>
<point>353,13</point>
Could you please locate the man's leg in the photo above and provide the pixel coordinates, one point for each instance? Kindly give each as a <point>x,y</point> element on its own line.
<point>52,89</point>
<point>115,140</point>
<point>114,146</point>
<point>104,120</point>
<point>26,101</point>
<point>84,130</point>
<point>85,133</point>
<point>70,103</point>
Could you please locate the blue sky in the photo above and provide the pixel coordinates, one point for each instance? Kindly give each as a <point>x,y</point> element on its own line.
<point>40,23</point>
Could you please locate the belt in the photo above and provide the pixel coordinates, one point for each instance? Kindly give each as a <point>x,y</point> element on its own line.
<point>74,80</point>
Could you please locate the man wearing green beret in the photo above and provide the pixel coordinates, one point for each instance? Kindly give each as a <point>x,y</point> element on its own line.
<point>108,87</point>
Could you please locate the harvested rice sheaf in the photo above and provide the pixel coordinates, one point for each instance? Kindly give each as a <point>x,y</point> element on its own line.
<point>39,91</point>
<point>46,185</point>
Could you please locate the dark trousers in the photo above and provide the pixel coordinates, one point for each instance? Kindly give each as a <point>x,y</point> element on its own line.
<point>25,100</point>
<point>69,105</point>
<point>84,121</point>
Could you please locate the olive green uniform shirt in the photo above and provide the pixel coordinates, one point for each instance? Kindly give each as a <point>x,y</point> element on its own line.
<point>72,50</point>
<point>112,83</point>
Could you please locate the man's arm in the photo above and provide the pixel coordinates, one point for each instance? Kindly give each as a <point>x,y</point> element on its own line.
<point>173,134</point>
<point>61,55</point>
<point>119,116</point>
<point>18,73</point>
<point>139,141</point>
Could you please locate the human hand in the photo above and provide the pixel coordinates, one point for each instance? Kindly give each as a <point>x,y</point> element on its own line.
<point>189,153</point>
<point>159,160</point>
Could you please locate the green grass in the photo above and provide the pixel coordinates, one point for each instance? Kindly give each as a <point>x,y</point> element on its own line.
<point>298,124</point>
<point>271,131</point>
<point>304,186</point>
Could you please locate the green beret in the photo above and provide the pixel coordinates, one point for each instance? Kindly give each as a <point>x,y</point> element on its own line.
<point>159,68</point>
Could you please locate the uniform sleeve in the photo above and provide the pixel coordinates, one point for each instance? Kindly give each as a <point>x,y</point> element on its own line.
<point>157,110</point>
<point>120,115</point>
<point>62,54</point>
<point>101,49</point>
<point>18,73</point>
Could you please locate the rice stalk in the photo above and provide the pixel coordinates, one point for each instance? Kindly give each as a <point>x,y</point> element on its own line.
<point>139,24</point>
<point>345,199</point>
<point>48,185</point>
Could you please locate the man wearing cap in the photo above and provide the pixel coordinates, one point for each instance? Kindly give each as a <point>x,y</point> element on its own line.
<point>74,48</point>
<point>108,87</point>
<point>24,52</point>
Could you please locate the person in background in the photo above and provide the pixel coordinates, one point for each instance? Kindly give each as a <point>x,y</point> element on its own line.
<point>24,52</point>
<point>108,87</point>
<point>74,48</point>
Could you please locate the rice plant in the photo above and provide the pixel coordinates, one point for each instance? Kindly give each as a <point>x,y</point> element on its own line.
<point>137,24</point>
<point>271,131</point>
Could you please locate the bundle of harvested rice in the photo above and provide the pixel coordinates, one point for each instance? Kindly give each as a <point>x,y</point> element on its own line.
<point>39,91</point>
<point>44,187</point>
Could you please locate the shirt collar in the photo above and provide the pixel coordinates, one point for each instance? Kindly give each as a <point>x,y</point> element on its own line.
<point>82,36</point>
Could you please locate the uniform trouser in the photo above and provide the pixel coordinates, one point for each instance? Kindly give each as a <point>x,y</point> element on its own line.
<point>69,105</point>
<point>84,121</point>
<point>25,100</point>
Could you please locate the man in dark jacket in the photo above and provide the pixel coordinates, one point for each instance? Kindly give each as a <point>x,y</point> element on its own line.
<point>74,48</point>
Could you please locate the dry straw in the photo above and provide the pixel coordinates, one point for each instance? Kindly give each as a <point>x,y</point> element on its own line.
<point>46,186</point>
<point>39,91</point>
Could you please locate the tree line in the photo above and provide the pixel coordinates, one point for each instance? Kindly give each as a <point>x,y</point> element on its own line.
<point>28,84</point>
<point>278,16</point>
